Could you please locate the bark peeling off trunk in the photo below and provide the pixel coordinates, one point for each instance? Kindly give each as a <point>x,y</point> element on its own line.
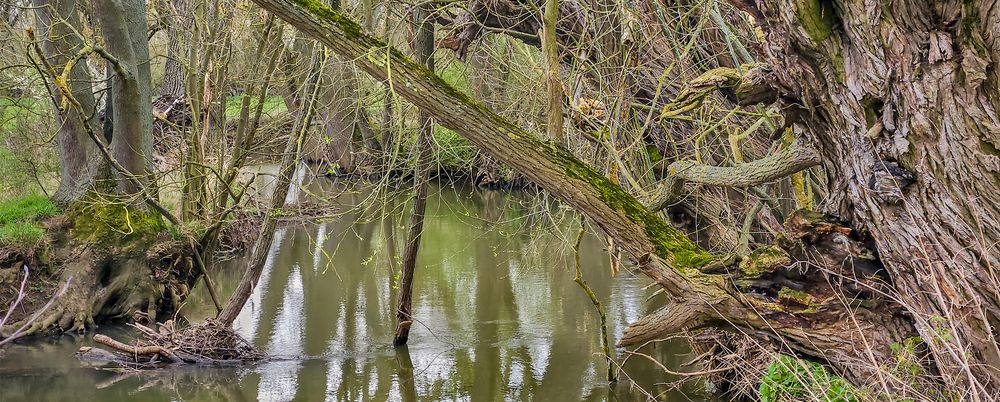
<point>904,107</point>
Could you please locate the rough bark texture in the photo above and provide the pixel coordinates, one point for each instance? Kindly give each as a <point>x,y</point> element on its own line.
<point>56,22</point>
<point>338,116</point>
<point>550,48</point>
<point>178,25</point>
<point>925,184</point>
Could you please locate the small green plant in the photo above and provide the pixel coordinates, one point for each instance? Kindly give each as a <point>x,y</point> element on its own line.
<point>792,379</point>
<point>273,105</point>
<point>453,151</point>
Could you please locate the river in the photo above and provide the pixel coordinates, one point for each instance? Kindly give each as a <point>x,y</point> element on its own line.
<point>497,315</point>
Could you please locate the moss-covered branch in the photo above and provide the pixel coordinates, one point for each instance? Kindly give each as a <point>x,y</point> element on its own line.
<point>641,232</point>
<point>783,163</point>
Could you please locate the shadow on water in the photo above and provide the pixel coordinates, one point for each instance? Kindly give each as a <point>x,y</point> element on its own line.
<point>497,315</point>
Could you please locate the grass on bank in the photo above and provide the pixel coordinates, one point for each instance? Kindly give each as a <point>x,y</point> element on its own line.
<point>19,217</point>
<point>273,106</point>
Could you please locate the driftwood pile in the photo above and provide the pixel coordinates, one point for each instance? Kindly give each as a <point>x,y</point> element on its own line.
<point>209,343</point>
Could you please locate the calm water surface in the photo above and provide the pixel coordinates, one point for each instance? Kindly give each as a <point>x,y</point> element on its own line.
<point>497,315</point>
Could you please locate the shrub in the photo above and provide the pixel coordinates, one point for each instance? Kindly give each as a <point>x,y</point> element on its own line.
<point>791,379</point>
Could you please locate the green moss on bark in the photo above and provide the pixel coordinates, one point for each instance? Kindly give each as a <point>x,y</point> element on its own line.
<point>789,295</point>
<point>113,220</point>
<point>817,18</point>
<point>763,260</point>
<point>669,243</point>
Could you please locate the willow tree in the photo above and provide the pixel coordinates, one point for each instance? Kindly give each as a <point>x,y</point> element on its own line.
<point>897,102</point>
<point>902,100</point>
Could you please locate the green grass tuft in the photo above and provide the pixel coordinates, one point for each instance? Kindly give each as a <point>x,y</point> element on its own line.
<point>273,105</point>
<point>19,228</point>
<point>26,209</point>
<point>21,235</point>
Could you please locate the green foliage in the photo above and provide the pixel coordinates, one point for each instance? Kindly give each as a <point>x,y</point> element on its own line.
<point>907,357</point>
<point>456,74</point>
<point>453,150</point>
<point>14,171</point>
<point>17,115</point>
<point>12,110</point>
<point>791,379</point>
<point>19,228</point>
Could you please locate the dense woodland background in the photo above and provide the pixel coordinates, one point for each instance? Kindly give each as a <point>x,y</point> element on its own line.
<point>807,178</point>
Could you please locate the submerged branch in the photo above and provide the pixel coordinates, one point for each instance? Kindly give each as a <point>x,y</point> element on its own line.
<point>605,345</point>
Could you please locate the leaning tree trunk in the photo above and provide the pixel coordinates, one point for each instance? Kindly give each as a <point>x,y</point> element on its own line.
<point>701,289</point>
<point>902,105</point>
<point>290,161</point>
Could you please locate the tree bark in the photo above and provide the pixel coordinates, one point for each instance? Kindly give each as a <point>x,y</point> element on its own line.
<point>903,109</point>
<point>57,23</point>
<point>423,49</point>
<point>338,116</point>
<point>123,26</point>
<point>178,26</point>
<point>550,48</point>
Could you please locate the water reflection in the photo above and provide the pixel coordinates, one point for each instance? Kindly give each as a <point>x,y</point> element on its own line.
<point>497,314</point>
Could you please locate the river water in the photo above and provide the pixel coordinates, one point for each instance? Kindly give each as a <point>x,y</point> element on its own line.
<point>497,315</point>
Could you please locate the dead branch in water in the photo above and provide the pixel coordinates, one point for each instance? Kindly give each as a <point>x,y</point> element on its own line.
<point>206,343</point>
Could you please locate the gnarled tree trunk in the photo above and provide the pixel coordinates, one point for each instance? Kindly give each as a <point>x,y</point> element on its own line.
<point>902,101</point>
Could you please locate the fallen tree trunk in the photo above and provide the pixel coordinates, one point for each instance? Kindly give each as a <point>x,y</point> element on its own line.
<point>852,333</point>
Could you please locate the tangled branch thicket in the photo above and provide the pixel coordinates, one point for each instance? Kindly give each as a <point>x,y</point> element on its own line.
<point>205,343</point>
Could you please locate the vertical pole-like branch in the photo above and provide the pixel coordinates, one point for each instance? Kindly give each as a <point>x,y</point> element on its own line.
<point>423,49</point>
<point>550,48</point>
<point>612,374</point>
